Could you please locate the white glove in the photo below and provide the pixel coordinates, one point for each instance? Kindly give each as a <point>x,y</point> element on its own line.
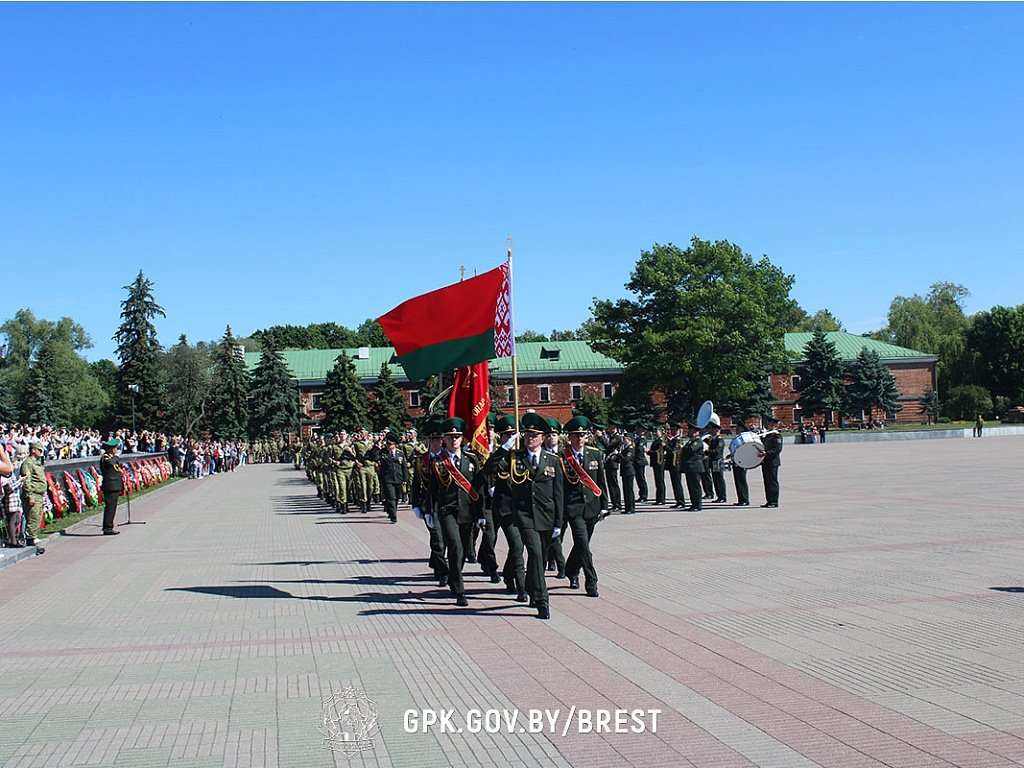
<point>418,512</point>
<point>481,523</point>
<point>510,443</point>
<point>429,520</point>
<point>490,491</point>
<point>556,533</point>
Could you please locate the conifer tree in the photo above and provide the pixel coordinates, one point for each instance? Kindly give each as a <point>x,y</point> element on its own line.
<point>871,386</point>
<point>37,406</point>
<point>821,377</point>
<point>274,397</point>
<point>140,355</point>
<point>388,408</point>
<point>345,401</point>
<point>229,416</point>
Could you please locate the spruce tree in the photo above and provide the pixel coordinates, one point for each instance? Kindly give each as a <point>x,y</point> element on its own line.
<point>229,416</point>
<point>275,397</point>
<point>821,377</point>
<point>345,402</point>
<point>871,386</point>
<point>37,406</point>
<point>388,409</point>
<point>140,355</point>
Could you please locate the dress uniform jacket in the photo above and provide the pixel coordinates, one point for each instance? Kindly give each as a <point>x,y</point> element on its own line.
<point>580,501</point>
<point>537,493</point>
<point>110,469</point>
<point>447,497</point>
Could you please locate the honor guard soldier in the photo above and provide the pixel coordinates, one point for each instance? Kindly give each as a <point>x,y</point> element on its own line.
<point>656,453</point>
<point>111,484</point>
<point>394,470</point>
<point>536,478</point>
<point>692,453</point>
<point>419,496</point>
<point>503,514</point>
<point>772,453</point>
<point>640,462</point>
<point>456,503</point>
<point>556,555</point>
<point>675,466</point>
<point>585,501</point>
<point>627,469</point>
<point>716,454</point>
<point>612,447</point>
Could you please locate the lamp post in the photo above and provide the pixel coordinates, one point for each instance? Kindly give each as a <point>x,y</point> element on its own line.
<point>134,389</point>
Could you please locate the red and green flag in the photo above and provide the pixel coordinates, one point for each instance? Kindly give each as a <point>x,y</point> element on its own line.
<point>471,402</point>
<point>462,324</point>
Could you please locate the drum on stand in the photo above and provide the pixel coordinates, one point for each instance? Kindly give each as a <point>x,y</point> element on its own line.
<point>746,449</point>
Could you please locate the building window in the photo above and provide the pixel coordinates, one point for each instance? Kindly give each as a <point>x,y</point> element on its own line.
<point>315,403</point>
<point>577,392</point>
<point>544,393</point>
<point>608,392</point>
<point>794,384</point>
<point>414,398</point>
<point>510,395</point>
<point>798,415</point>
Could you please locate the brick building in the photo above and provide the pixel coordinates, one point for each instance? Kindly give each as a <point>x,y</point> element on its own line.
<point>553,374</point>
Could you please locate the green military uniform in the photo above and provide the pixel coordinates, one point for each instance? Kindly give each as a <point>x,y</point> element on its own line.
<point>674,463</point>
<point>583,507</point>
<point>657,452</point>
<point>422,503</point>
<point>772,442</point>
<point>33,491</point>
<point>692,453</point>
<point>502,514</point>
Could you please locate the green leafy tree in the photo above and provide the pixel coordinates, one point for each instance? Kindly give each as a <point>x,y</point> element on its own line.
<point>871,386</point>
<point>229,408</point>
<point>633,405</point>
<point>997,336</point>
<point>821,377</point>
<point>140,356</point>
<point>274,397</point>
<point>931,405</point>
<point>105,373</point>
<point>528,335</point>
<point>345,401</point>
<point>967,402</point>
<point>77,398</point>
<point>705,322</point>
<point>822,320</point>
<point>755,405</point>
<point>370,334</point>
<point>188,386</point>
<point>388,407</point>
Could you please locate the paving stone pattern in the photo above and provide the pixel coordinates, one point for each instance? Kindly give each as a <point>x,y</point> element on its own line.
<point>875,619</point>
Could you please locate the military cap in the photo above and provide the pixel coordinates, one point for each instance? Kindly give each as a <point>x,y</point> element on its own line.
<point>595,425</point>
<point>577,425</point>
<point>490,419</point>
<point>770,418</point>
<point>453,426</point>
<point>432,427</point>
<point>37,444</point>
<point>112,443</point>
<point>506,423</point>
<point>614,423</point>
<point>534,422</point>
<point>554,424</point>
<point>327,435</point>
<point>393,437</point>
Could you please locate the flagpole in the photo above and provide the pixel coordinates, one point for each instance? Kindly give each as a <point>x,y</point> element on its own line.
<point>512,325</point>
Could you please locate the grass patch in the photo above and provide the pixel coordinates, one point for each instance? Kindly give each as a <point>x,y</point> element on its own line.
<point>61,523</point>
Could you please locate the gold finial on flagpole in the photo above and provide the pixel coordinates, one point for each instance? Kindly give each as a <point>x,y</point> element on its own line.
<point>462,272</point>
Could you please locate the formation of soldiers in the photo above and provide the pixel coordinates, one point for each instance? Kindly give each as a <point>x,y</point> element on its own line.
<point>268,451</point>
<point>539,481</point>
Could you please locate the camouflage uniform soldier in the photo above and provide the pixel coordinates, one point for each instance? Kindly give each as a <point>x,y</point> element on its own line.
<point>33,490</point>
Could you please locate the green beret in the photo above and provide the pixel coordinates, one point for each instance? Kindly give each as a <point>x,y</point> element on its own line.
<point>555,425</point>
<point>577,425</point>
<point>534,422</point>
<point>506,423</point>
<point>453,426</point>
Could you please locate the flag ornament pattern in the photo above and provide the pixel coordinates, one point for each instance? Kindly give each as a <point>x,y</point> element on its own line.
<point>454,326</point>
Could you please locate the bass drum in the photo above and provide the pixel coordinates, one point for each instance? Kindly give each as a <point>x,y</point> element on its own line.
<point>746,448</point>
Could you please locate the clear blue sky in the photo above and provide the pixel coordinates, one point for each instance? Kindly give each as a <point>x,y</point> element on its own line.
<point>297,163</point>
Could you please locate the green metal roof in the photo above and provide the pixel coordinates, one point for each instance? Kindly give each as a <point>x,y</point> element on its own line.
<point>849,345</point>
<point>538,357</point>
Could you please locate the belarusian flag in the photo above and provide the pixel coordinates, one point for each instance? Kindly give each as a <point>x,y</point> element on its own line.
<point>462,324</point>
<point>471,402</point>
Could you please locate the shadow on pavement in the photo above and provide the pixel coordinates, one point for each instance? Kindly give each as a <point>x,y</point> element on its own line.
<point>1007,589</point>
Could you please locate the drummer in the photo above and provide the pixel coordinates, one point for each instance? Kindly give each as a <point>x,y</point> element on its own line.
<point>739,474</point>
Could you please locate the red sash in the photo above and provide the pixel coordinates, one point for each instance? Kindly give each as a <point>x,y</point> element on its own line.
<point>583,475</point>
<point>458,477</point>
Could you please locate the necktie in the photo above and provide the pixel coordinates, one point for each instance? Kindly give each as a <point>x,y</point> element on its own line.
<point>533,460</point>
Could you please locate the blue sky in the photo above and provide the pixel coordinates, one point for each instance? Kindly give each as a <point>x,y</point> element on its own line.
<point>297,163</point>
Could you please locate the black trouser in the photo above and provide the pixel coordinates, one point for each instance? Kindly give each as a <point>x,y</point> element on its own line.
<point>677,486</point>
<point>718,478</point>
<point>555,553</point>
<point>628,499</point>
<point>612,480</point>
<point>581,556</point>
<point>486,557</point>
<point>770,473</point>
<point>391,491</point>
<point>659,483</point>
<point>694,487</point>
<point>514,570</point>
<point>536,558</point>
<point>739,479</point>
<point>109,509</point>
<point>437,561</point>
<point>454,534</point>
<point>641,483</point>
<point>706,483</point>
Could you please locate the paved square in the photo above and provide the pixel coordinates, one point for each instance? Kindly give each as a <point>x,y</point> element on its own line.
<point>875,619</point>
